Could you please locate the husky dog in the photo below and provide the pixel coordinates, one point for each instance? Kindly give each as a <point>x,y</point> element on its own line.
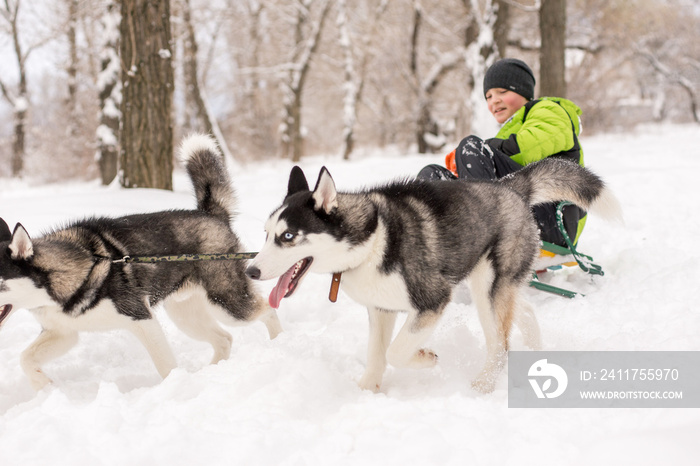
<point>68,279</point>
<point>406,245</point>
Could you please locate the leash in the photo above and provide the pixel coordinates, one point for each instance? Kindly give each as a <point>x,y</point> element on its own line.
<point>335,281</point>
<point>185,258</point>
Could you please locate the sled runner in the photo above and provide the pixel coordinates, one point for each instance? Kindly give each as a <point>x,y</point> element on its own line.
<point>569,257</point>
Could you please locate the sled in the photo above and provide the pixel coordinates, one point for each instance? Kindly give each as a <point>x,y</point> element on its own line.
<point>569,257</point>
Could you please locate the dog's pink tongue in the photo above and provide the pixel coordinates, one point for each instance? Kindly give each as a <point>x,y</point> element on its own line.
<point>281,288</point>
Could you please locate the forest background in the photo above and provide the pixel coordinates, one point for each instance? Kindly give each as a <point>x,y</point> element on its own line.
<point>291,78</point>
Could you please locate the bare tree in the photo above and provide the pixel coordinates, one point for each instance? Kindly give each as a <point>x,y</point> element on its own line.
<point>553,48</point>
<point>627,46</point>
<point>428,135</point>
<point>501,26</point>
<point>355,68</point>
<point>190,65</point>
<point>72,69</point>
<point>670,66</point>
<point>254,87</point>
<point>109,94</point>
<point>352,86</point>
<point>481,52</point>
<point>78,107</point>
<point>251,34</point>
<point>18,99</point>
<point>147,88</point>
<point>194,92</point>
<point>672,76</point>
<point>307,43</point>
<point>372,87</point>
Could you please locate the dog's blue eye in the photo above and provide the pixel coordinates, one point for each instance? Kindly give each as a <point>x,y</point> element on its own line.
<point>287,236</point>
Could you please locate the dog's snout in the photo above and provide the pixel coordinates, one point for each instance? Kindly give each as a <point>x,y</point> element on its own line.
<point>253,272</point>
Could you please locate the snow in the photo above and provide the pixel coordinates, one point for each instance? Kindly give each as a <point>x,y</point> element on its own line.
<point>110,74</point>
<point>294,400</point>
<point>21,104</point>
<point>106,136</point>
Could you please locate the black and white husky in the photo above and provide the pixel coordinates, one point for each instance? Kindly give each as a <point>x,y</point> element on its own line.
<point>404,247</point>
<point>68,280</point>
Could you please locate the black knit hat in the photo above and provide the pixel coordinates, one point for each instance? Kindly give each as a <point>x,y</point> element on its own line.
<point>511,74</point>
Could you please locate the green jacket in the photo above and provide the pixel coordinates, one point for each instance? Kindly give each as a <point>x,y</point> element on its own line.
<point>541,128</point>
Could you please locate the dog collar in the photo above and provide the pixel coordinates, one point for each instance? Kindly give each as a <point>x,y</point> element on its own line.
<point>335,286</point>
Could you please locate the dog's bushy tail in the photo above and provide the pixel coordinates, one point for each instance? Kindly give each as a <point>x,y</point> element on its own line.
<point>212,185</point>
<point>553,180</point>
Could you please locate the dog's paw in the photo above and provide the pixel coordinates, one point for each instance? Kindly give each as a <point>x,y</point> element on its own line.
<point>38,380</point>
<point>370,383</point>
<point>485,383</point>
<point>425,358</point>
<point>222,348</point>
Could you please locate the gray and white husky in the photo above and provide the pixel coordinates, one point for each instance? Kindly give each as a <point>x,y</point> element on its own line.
<point>406,245</point>
<point>69,282</point>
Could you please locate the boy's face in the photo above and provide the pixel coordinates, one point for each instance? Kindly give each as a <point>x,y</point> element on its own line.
<point>503,103</point>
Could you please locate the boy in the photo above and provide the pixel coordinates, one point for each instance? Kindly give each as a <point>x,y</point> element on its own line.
<point>531,131</point>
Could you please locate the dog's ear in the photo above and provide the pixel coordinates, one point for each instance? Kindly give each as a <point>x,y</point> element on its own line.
<point>5,234</point>
<point>297,181</point>
<point>21,246</point>
<point>325,196</point>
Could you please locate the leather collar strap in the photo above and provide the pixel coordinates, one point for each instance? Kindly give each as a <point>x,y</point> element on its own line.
<point>335,286</point>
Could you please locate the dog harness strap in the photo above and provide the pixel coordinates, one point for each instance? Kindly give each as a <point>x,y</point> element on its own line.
<point>335,286</point>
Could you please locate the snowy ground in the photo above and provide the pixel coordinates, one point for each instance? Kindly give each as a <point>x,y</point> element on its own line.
<point>294,401</point>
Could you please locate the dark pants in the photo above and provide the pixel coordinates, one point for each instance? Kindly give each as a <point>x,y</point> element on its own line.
<point>476,160</point>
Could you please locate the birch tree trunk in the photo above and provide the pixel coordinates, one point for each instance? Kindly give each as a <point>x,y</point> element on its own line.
<point>147,89</point>
<point>292,137</point>
<point>354,69</point>
<point>195,102</point>
<point>19,100</point>
<point>428,132</point>
<point>351,81</point>
<point>72,69</point>
<point>195,97</point>
<point>481,53</point>
<point>109,92</point>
